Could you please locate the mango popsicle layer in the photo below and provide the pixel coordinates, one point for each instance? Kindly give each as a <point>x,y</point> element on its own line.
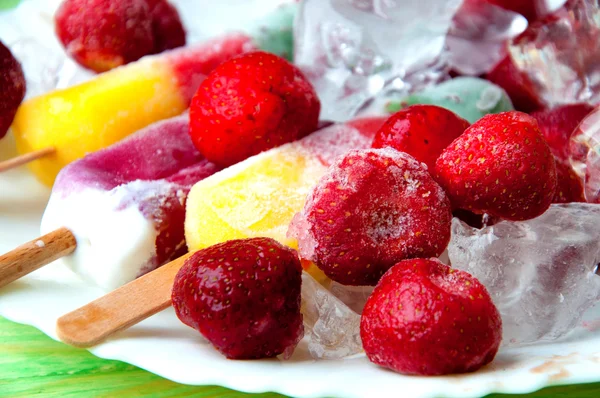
<point>93,115</point>
<point>259,196</point>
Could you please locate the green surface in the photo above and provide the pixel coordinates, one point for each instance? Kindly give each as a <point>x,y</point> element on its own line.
<point>33,365</point>
<point>6,4</point>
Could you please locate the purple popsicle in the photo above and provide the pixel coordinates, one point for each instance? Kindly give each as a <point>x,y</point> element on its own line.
<point>125,204</point>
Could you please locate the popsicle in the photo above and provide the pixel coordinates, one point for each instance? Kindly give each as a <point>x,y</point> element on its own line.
<point>256,197</point>
<point>259,196</point>
<point>124,206</point>
<point>90,116</point>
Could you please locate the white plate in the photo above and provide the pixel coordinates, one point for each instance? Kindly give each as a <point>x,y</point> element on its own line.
<point>166,347</point>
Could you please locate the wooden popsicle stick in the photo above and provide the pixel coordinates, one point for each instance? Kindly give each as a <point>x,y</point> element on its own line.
<point>35,254</point>
<point>26,158</point>
<point>121,308</point>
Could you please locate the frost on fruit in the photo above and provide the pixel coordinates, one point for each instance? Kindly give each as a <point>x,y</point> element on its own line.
<point>370,210</point>
<point>332,328</point>
<point>334,141</point>
<point>539,272</point>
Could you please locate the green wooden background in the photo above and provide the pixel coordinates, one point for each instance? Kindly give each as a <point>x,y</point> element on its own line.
<point>33,365</point>
<point>6,4</point>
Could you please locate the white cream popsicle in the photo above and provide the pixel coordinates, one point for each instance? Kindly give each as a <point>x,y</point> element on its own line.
<point>125,205</point>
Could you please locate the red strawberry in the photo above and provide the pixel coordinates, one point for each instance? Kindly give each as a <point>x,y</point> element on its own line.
<point>243,296</point>
<point>425,318</point>
<point>472,219</point>
<point>104,34</point>
<point>557,126</point>
<point>12,85</point>
<point>502,166</point>
<point>167,28</point>
<point>250,104</point>
<point>569,187</point>
<point>372,209</point>
<point>516,84</point>
<point>422,131</point>
<point>527,8</point>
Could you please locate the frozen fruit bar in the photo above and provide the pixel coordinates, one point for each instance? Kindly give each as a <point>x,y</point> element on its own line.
<point>125,204</point>
<point>93,115</point>
<point>259,196</point>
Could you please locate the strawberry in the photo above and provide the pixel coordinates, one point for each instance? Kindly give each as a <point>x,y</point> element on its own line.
<point>569,187</point>
<point>243,296</point>
<point>103,34</point>
<point>425,318</point>
<point>249,104</point>
<point>472,219</point>
<point>422,131</point>
<point>527,8</point>
<point>167,29</point>
<point>12,85</point>
<point>558,124</point>
<point>517,85</point>
<point>372,209</point>
<point>502,166</point>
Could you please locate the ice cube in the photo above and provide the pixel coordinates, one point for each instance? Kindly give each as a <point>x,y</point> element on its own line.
<point>333,329</point>
<point>540,272</point>
<point>561,54</point>
<point>355,297</point>
<point>355,50</point>
<point>477,40</point>
<point>585,154</point>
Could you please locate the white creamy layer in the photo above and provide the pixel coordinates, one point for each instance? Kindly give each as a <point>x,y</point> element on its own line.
<point>113,246</point>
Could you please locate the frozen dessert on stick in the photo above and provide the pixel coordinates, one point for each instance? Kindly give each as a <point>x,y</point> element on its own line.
<point>120,210</point>
<point>261,193</point>
<point>95,114</point>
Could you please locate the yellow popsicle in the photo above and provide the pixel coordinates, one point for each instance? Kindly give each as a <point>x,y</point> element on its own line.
<point>259,196</point>
<point>115,104</point>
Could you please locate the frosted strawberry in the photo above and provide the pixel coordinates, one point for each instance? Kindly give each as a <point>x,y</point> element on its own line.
<point>372,209</point>
<point>425,318</point>
<point>243,296</point>
<point>104,34</point>
<point>502,166</point>
<point>167,28</point>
